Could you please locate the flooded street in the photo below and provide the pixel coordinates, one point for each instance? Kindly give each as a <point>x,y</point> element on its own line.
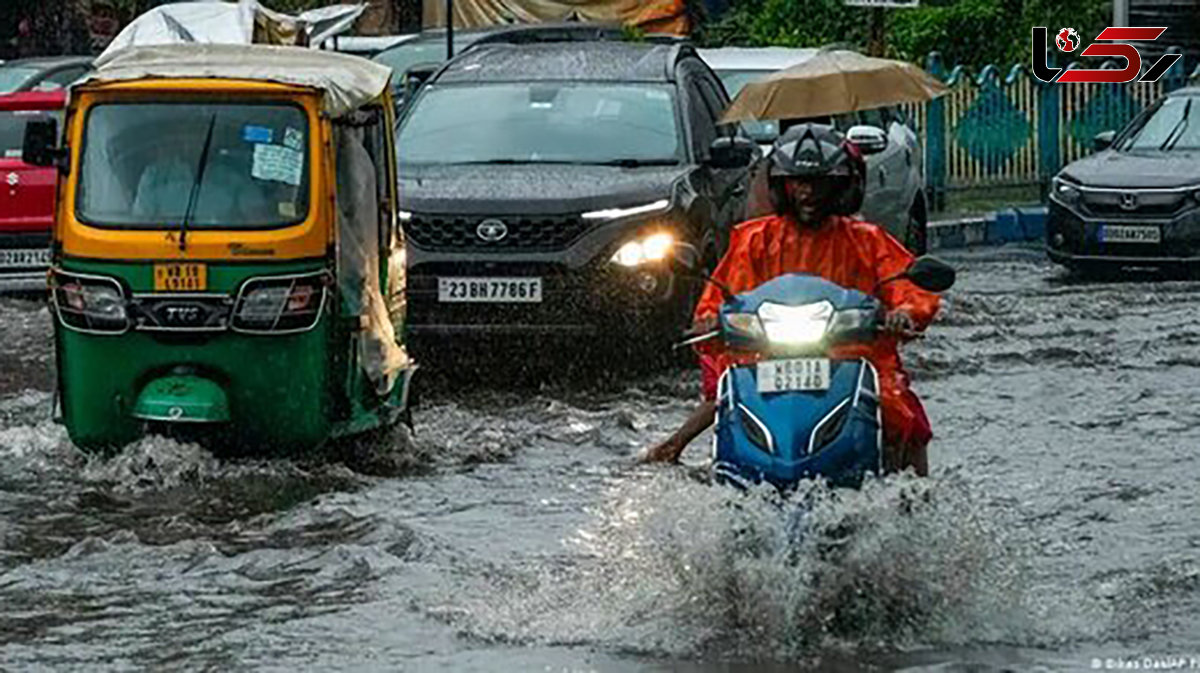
<point>1058,526</point>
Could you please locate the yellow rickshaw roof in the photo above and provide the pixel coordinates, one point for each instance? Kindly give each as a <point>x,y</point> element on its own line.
<point>349,82</point>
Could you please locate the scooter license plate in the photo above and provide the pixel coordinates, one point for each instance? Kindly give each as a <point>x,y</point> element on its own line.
<point>778,376</point>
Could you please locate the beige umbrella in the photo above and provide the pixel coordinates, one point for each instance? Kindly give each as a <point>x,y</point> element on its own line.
<point>833,82</point>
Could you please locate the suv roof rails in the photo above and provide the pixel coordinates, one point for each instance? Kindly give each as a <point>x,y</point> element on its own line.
<point>573,31</point>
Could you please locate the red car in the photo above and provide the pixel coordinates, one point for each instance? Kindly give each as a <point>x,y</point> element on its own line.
<point>26,192</point>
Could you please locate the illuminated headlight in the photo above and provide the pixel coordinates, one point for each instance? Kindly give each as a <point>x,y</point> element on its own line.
<point>795,325</point>
<point>404,215</point>
<point>617,213</point>
<point>1065,191</point>
<point>653,248</point>
<point>89,303</point>
<point>286,304</point>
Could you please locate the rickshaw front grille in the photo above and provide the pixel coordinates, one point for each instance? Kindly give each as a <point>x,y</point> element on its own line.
<point>554,232</point>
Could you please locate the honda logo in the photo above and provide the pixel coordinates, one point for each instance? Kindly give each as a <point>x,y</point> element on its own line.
<point>492,231</point>
<point>1129,201</point>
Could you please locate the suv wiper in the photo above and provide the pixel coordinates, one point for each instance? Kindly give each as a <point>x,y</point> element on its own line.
<point>1180,126</point>
<point>194,196</point>
<point>637,163</point>
<point>511,162</point>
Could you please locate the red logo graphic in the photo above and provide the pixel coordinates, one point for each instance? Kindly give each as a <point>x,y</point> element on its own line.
<point>1068,41</point>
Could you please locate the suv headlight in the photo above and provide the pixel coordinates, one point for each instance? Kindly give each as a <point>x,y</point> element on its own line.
<point>281,304</point>
<point>795,325</point>
<point>652,248</point>
<point>89,303</point>
<point>1067,192</point>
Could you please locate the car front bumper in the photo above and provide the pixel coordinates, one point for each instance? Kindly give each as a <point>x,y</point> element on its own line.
<point>1073,238</point>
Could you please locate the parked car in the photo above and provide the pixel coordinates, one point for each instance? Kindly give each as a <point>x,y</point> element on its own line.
<point>544,186</point>
<point>27,193</point>
<point>428,50</point>
<point>55,72</point>
<point>895,196</point>
<point>1134,202</point>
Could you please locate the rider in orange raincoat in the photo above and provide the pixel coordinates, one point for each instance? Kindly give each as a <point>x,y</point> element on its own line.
<point>817,176</point>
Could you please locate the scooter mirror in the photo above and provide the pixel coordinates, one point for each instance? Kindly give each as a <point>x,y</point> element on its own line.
<point>930,273</point>
<point>685,256</point>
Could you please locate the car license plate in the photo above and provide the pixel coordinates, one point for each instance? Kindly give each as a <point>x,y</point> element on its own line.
<point>777,376</point>
<point>180,277</point>
<point>492,290</point>
<point>1113,233</point>
<point>24,259</point>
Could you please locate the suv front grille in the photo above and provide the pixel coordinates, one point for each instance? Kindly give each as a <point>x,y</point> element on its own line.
<point>1141,204</point>
<point>523,233</point>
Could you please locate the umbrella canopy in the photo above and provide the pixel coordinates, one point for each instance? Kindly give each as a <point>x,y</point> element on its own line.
<point>833,82</point>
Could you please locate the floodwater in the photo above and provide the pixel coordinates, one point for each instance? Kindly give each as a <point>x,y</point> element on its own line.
<point>1056,533</point>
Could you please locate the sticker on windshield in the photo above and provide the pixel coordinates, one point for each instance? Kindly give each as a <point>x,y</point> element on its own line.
<point>293,138</point>
<point>13,154</point>
<point>287,209</point>
<point>257,134</point>
<point>277,163</point>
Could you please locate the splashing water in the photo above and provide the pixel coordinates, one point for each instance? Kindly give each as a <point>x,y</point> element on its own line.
<point>674,567</point>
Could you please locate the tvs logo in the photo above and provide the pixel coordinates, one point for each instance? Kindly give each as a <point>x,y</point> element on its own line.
<point>1067,37</point>
<point>1067,40</point>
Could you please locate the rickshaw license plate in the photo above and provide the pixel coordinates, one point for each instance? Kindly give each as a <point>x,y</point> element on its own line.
<point>777,376</point>
<point>180,277</point>
<point>527,290</point>
<point>1111,233</point>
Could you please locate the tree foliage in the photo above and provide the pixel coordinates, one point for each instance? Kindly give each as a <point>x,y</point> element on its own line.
<point>967,32</point>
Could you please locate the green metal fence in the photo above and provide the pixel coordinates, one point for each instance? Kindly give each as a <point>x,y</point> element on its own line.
<point>999,128</point>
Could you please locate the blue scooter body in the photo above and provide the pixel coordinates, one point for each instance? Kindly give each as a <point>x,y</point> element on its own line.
<point>784,437</point>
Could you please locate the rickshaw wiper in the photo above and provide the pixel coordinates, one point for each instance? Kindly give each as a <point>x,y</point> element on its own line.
<point>195,194</point>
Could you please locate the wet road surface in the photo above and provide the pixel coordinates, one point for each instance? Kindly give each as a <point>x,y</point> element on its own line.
<point>1059,525</point>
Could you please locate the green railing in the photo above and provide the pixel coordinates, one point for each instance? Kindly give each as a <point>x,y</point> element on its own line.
<point>999,128</point>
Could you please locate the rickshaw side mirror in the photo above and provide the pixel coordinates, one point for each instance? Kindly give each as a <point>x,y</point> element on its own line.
<point>932,274</point>
<point>40,144</point>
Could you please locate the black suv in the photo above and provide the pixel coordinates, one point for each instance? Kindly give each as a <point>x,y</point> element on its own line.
<point>543,187</point>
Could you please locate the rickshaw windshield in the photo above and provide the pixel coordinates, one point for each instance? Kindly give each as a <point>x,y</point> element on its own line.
<point>141,161</point>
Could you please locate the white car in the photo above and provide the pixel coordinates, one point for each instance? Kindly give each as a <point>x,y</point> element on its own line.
<point>895,195</point>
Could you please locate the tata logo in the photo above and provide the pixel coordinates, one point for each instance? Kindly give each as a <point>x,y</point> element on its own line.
<point>492,231</point>
<point>1068,41</point>
<point>1129,201</point>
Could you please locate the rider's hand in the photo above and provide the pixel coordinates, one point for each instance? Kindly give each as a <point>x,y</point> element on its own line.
<point>900,323</point>
<point>666,452</point>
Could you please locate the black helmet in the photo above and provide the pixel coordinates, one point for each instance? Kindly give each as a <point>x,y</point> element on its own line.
<point>812,151</point>
<point>820,151</point>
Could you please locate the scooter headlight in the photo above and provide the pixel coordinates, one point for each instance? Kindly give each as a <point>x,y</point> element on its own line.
<point>795,325</point>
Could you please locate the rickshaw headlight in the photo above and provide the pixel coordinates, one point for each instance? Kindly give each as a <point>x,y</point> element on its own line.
<point>89,303</point>
<point>288,304</point>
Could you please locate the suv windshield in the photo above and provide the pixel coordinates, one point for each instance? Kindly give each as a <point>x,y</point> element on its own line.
<point>1175,125</point>
<point>543,122</point>
<point>12,128</point>
<point>140,163</point>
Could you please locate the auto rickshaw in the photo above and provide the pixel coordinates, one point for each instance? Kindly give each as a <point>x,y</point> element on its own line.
<point>226,247</point>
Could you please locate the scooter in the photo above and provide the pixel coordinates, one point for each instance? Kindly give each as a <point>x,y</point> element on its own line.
<point>797,412</point>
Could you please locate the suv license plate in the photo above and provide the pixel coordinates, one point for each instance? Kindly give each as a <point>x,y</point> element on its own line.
<point>777,376</point>
<point>24,259</point>
<point>490,290</point>
<point>1113,233</point>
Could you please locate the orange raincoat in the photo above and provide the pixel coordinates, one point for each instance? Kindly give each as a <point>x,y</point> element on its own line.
<point>846,251</point>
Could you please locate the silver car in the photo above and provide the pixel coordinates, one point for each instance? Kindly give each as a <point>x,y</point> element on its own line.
<point>895,195</point>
